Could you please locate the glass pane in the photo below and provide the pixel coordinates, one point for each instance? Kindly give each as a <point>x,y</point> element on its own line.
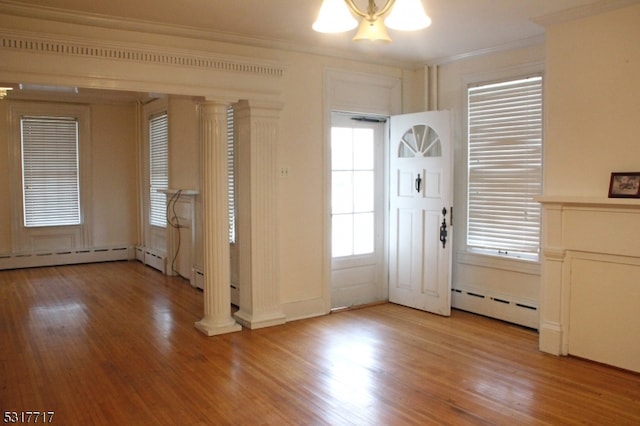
<point>342,238</point>
<point>363,191</point>
<point>410,140</point>
<point>432,144</point>
<point>435,150</point>
<point>363,149</point>
<point>405,152</point>
<point>341,192</point>
<point>363,233</point>
<point>352,165</point>
<point>341,148</point>
<point>419,133</point>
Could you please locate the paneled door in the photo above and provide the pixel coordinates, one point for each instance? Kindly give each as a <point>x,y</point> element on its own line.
<point>421,203</point>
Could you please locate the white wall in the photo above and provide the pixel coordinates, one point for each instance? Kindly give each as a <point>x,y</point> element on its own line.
<point>114,169</point>
<point>593,102</point>
<point>591,254</point>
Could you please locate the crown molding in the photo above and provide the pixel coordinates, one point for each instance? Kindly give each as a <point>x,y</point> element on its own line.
<point>12,8</point>
<point>46,44</point>
<point>516,44</point>
<point>580,12</point>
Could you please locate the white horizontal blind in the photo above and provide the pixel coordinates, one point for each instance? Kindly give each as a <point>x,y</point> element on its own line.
<point>159,169</point>
<point>50,171</point>
<point>231,175</point>
<point>505,166</point>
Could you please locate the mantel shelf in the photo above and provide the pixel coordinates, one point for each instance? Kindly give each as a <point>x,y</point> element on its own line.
<point>589,201</point>
<point>183,191</point>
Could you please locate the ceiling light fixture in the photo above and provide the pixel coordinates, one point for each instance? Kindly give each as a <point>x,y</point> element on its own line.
<point>4,91</point>
<point>337,16</point>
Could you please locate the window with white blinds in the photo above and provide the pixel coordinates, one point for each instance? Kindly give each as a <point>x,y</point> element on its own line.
<point>505,167</point>
<point>158,169</point>
<point>50,171</point>
<point>231,174</point>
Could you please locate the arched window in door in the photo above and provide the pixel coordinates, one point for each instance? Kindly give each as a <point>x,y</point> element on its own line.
<point>420,141</point>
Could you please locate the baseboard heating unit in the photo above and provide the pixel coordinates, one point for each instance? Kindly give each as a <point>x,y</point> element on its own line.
<point>152,258</point>
<point>65,257</point>
<point>500,306</point>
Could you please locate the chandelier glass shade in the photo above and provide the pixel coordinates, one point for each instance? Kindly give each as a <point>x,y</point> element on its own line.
<point>337,16</point>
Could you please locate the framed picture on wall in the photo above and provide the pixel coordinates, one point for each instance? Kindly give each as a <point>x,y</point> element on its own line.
<point>624,185</point>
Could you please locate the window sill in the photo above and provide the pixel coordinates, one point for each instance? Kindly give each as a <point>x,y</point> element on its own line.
<point>507,263</point>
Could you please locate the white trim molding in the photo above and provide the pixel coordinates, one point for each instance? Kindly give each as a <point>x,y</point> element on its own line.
<point>583,11</point>
<point>37,43</point>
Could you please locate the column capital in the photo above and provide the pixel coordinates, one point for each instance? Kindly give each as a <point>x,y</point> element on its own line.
<point>258,108</point>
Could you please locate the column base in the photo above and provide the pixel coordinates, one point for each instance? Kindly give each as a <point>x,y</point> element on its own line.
<point>550,339</point>
<point>211,328</point>
<point>259,321</point>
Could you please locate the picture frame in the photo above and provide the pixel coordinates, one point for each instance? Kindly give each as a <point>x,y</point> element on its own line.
<point>624,185</point>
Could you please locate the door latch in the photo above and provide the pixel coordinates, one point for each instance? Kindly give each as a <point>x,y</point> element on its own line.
<point>443,228</point>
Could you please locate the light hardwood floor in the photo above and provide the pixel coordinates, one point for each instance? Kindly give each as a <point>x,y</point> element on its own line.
<point>115,344</point>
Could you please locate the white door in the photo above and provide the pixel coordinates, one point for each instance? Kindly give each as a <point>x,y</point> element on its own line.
<point>357,211</point>
<point>421,200</point>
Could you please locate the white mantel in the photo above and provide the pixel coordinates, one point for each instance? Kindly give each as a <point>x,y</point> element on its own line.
<point>590,301</point>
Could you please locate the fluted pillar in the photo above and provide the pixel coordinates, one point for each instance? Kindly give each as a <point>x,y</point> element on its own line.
<point>213,189</point>
<point>256,138</point>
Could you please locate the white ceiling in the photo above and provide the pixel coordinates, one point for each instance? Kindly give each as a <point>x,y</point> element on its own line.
<point>460,27</point>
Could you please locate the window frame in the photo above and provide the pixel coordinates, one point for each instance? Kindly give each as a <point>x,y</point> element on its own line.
<point>34,130</point>
<point>158,199</point>
<point>46,238</point>
<point>492,257</point>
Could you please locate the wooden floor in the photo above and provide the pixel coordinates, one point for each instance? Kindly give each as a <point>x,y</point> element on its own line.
<point>115,344</point>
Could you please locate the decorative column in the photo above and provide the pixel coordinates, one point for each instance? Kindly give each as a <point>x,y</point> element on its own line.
<point>215,221</point>
<point>256,138</point>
